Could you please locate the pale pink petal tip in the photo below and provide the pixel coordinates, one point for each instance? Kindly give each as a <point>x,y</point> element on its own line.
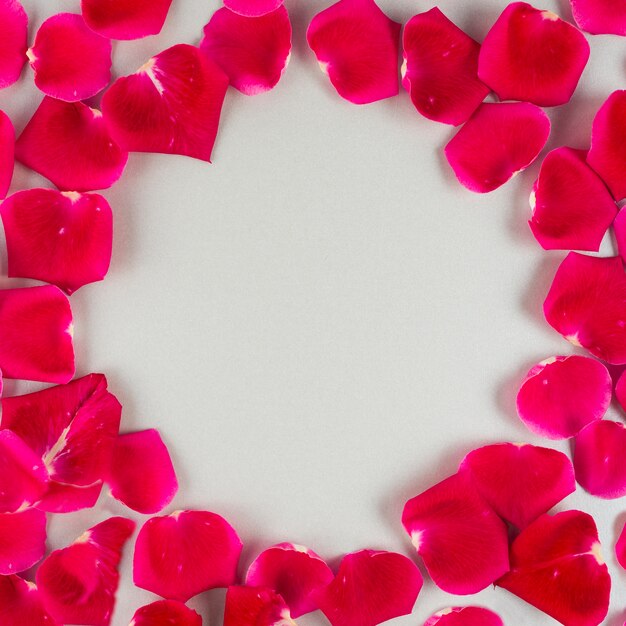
<point>7,152</point>
<point>63,238</point>
<point>462,541</point>
<point>13,41</point>
<point>253,51</point>
<point>562,395</point>
<point>252,8</point>
<point>600,16</point>
<point>141,474</point>
<point>357,45</point>
<point>370,587</point>
<point>183,554</point>
<point>295,572</point>
<point>78,583</point>
<point>496,143</point>
<point>22,540</point>
<point>587,305</point>
<point>70,61</point>
<point>171,105</point>
<point>69,144</point>
<point>557,566</point>
<point>464,616</point>
<point>440,69</point>
<point>166,613</point>
<point>519,481</point>
<point>255,606</point>
<point>620,548</point>
<point>21,604</point>
<point>533,56</point>
<point>125,19</point>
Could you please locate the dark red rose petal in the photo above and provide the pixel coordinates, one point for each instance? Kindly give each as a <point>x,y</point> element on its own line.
<point>13,41</point>
<point>21,604</point>
<point>166,613</point>
<point>255,606</point>
<point>7,152</point>
<point>600,16</point>
<point>464,616</point>
<point>22,540</point>
<point>253,8</point>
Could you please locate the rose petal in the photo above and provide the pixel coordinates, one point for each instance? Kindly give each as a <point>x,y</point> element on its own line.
<point>21,604</point>
<point>253,8</point>
<point>125,19</point>
<point>557,567</point>
<point>440,69</point>
<point>533,56</point>
<point>69,144</point>
<point>252,51</point>
<point>619,229</point>
<point>464,616</point>
<point>620,390</point>
<point>600,16</point>
<point>171,105</point>
<point>255,606</point>
<point>13,41</point>
<point>497,142</point>
<point>293,571</point>
<point>561,395</point>
<point>78,583</point>
<point>61,498</point>
<point>183,554</point>
<point>519,481</point>
<point>620,548</point>
<point>463,543</point>
<point>22,540</point>
<point>166,613</point>
<point>7,152</point>
<point>357,45</point>
<point>587,305</point>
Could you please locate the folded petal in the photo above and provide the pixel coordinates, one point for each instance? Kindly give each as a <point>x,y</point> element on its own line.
<point>255,606</point>
<point>357,45</point>
<point>22,540</point>
<point>183,554</point>
<point>463,543</point>
<point>600,16</point>
<point>21,604</point>
<point>171,105</point>
<point>562,395</point>
<point>13,41</point>
<point>620,548</point>
<point>7,152</point>
<point>253,8</point>
<point>464,616</point>
<point>62,498</point>
<point>252,51</point>
<point>440,69</point>
<point>166,613</point>
<point>69,144</point>
<point>496,143</point>
<point>294,572</point>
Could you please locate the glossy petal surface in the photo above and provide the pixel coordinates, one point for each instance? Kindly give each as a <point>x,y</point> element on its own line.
<point>7,153</point>
<point>21,604</point>
<point>600,16</point>
<point>464,616</point>
<point>255,606</point>
<point>13,41</point>
<point>253,8</point>
<point>22,540</point>
<point>166,613</point>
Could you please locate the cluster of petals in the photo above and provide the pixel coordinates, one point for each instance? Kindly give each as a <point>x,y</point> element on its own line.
<point>464,616</point>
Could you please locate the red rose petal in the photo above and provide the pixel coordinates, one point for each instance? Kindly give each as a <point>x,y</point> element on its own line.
<point>357,45</point>
<point>620,390</point>
<point>520,482</point>
<point>497,142</point>
<point>587,305</point>
<point>183,554</point>
<point>253,8</point>
<point>440,69</point>
<point>61,498</point>
<point>463,543</point>
<point>171,105</point>
<point>464,616</point>
<point>21,604</point>
<point>600,16</point>
<point>125,19</point>
<point>63,238</point>
<point>619,229</point>
<point>78,583</point>
<point>22,540</point>
<point>620,548</point>
<point>13,41</point>
<point>70,61</point>
<point>255,606</point>
<point>253,51</point>
<point>166,613</point>
<point>7,153</point>
<point>293,571</point>
<point>557,567</point>
<point>533,56</point>
<point>562,395</point>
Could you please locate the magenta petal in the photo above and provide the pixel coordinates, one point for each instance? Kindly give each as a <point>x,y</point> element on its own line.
<point>13,41</point>
<point>357,45</point>
<point>7,152</point>
<point>440,69</point>
<point>619,229</point>
<point>166,613</point>
<point>62,498</point>
<point>463,542</point>
<point>253,51</point>
<point>620,548</point>
<point>78,583</point>
<point>620,390</point>
<point>600,16</point>
<point>21,604</point>
<point>293,571</point>
<point>183,554</point>
<point>464,616</point>
<point>171,105</point>
<point>255,606</point>
<point>22,540</point>
<point>253,8</point>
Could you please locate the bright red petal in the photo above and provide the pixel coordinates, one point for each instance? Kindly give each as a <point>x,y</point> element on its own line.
<point>22,540</point>
<point>357,45</point>
<point>255,606</point>
<point>620,548</point>
<point>166,613</point>
<point>62,498</point>
<point>183,554</point>
<point>7,152</point>
<point>464,616</point>
<point>600,16</point>
<point>253,8</point>
<point>21,604</point>
<point>13,41</point>
<point>620,390</point>
<point>619,229</point>
<point>171,105</point>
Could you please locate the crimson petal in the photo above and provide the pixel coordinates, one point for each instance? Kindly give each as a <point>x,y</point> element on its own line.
<point>166,612</point>
<point>7,153</point>
<point>253,8</point>
<point>600,16</point>
<point>620,390</point>
<point>62,498</point>
<point>13,41</point>
<point>464,616</point>
<point>620,548</point>
<point>619,229</point>
<point>22,540</point>
<point>21,604</point>
<point>255,606</point>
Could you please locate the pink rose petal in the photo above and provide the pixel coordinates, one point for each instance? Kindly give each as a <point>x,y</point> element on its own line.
<point>183,554</point>
<point>600,16</point>
<point>533,56</point>
<point>357,45</point>
<point>587,305</point>
<point>557,566</point>
<point>620,390</point>
<point>171,105</point>
<point>7,152</point>
<point>562,395</point>
<point>63,238</point>
<point>22,540</point>
<point>497,142</point>
<point>440,69</point>
<point>166,613</point>
<point>13,41</point>
<point>293,571</point>
<point>464,616</point>
<point>252,8</point>
<point>463,543</point>
<point>253,51</point>
<point>21,604</point>
<point>255,606</point>
<point>61,498</point>
<point>620,548</point>
<point>78,583</point>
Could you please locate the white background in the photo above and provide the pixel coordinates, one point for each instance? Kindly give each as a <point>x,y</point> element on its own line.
<point>321,323</point>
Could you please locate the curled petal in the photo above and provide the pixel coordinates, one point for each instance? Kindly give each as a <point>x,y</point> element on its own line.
<point>620,548</point>
<point>253,8</point>
<point>7,152</point>
<point>253,51</point>
<point>464,616</point>
<point>562,395</point>
<point>255,606</point>
<point>357,45</point>
<point>22,540</point>
<point>293,571</point>
<point>557,566</point>
<point>171,105</point>
<point>13,41</point>
<point>21,604</point>
<point>440,69</point>
<point>166,612</point>
<point>600,16</point>
<point>463,542</point>
<point>497,142</point>
<point>183,554</point>
<point>69,144</point>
